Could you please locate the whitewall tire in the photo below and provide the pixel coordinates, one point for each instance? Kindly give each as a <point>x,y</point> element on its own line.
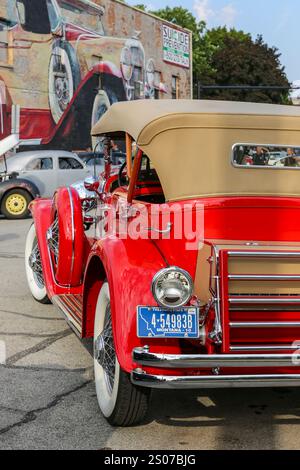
<point>33,268</point>
<point>121,402</point>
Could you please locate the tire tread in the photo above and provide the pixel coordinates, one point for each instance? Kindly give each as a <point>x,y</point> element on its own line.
<point>132,404</point>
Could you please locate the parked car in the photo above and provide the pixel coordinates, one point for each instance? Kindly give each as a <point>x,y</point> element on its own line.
<point>39,173</point>
<point>215,305</point>
<point>15,193</point>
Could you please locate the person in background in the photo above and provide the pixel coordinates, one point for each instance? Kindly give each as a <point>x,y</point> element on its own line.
<point>292,159</point>
<point>260,157</point>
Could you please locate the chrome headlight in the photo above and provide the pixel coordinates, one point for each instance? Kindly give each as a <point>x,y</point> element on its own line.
<point>172,287</point>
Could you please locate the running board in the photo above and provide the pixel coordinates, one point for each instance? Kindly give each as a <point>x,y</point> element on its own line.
<point>71,308</point>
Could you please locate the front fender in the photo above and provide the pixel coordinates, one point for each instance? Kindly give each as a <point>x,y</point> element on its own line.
<point>21,184</point>
<point>129,267</point>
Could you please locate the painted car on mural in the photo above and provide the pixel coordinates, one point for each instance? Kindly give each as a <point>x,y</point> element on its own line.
<point>196,283</point>
<point>57,63</point>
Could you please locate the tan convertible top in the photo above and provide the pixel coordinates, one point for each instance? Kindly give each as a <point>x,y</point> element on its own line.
<point>190,144</point>
<point>134,116</point>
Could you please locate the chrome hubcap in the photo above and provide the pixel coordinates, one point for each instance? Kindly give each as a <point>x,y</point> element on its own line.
<point>104,351</point>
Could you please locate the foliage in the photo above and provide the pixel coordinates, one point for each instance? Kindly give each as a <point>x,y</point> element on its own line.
<point>230,57</point>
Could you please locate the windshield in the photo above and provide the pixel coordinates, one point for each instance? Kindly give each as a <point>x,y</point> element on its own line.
<point>82,13</point>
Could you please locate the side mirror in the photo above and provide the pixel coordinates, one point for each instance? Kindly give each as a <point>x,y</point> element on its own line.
<point>91,184</point>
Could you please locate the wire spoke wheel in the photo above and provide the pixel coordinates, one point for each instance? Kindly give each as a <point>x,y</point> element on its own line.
<point>104,351</point>
<point>34,268</point>
<point>121,402</point>
<point>53,239</point>
<point>35,264</point>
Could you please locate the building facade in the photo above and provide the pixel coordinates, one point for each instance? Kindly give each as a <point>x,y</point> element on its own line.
<point>64,62</point>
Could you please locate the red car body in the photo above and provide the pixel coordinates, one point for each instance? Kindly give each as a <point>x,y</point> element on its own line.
<point>253,346</point>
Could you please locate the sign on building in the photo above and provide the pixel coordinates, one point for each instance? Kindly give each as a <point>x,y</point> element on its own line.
<point>176,46</point>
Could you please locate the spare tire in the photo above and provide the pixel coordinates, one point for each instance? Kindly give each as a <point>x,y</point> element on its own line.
<point>66,237</point>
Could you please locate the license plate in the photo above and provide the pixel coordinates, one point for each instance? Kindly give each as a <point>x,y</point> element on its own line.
<point>156,322</point>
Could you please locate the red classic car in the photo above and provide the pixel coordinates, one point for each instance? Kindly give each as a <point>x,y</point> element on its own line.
<point>189,276</point>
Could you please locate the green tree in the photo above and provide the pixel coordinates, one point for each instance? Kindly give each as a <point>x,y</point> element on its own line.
<point>141,6</point>
<point>238,60</point>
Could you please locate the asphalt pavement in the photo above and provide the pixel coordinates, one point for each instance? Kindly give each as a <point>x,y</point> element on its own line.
<point>47,395</point>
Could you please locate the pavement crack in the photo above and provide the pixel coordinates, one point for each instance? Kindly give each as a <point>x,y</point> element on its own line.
<point>32,316</point>
<point>28,335</point>
<point>11,256</point>
<point>47,369</point>
<point>38,347</point>
<point>32,415</point>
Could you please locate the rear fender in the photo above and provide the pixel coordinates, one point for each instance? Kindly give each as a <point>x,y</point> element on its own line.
<point>129,267</point>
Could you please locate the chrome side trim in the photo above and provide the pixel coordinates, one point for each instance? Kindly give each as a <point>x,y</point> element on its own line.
<point>264,300</point>
<point>138,377</point>
<point>279,347</point>
<point>176,361</point>
<point>73,230</point>
<point>264,254</point>
<point>254,277</point>
<point>217,332</point>
<point>278,324</point>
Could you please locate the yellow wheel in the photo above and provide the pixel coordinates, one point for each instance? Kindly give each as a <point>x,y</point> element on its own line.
<point>15,204</point>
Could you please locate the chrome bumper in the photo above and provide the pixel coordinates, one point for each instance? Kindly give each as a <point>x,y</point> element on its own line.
<point>143,356</point>
<point>194,361</point>
<point>226,381</point>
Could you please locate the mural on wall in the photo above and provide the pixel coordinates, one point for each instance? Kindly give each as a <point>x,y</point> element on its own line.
<point>59,64</point>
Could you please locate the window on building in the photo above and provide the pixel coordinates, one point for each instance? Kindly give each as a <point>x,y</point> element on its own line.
<point>157,82</point>
<point>175,88</point>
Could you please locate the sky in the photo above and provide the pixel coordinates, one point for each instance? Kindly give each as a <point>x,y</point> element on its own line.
<point>276,20</point>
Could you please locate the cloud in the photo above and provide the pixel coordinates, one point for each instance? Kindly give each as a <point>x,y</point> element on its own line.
<point>224,16</point>
<point>228,15</point>
<point>203,10</point>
